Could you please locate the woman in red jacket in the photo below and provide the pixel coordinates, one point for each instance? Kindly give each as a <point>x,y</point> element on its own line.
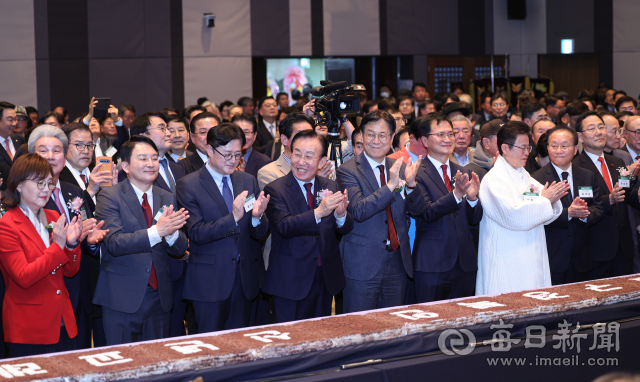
<point>38,249</point>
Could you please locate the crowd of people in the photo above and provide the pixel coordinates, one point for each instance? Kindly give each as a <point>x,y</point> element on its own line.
<point>139,226</point>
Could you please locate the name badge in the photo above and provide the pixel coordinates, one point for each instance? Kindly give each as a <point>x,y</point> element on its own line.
<point>585,192</point>
<point>248,204</point>
<point>530,196</point>
<point>83,214</point>
<point>160,212</point>
<point>624,182</point>
<point>111,151</point>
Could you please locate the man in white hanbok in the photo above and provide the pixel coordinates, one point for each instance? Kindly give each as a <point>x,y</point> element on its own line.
<point>512,252</point>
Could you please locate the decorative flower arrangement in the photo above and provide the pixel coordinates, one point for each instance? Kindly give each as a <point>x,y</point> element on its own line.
<point>75,204</point>
<point>321,195</point>
<point>401,186</point>
<point>533,189</point>
<point>624,172</point>
<point>49,227</point>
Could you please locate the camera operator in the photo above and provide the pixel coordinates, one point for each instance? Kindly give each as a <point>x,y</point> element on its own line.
<point>346,146</point>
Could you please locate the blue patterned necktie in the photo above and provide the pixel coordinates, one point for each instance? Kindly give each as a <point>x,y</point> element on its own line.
<point>172,183</point>
<point>226,194</point>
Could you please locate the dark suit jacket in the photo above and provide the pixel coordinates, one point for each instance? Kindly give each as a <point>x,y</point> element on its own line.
<point>78,286</point>
<point>273,150</point>
<point>363,249</point>
<point>4,156</point>
<point>567,239</point>
<point>297,239</point>
<point>263,138</point>
<point>67,176</point>
<point>4,175</point>
<point>255,162</point>
<point>442,225</point>
<point>192,163</point>
<point>216,239</point>
<point>126,252</point>
<point>614,229</point>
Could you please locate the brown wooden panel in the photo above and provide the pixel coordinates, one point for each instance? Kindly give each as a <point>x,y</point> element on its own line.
<point>571,73</point>
<point>468,64</point>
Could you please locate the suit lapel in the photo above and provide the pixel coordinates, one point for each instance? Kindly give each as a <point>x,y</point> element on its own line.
<point>28,229</point>
<point>366,170</point>
<point>294,190</point>
<point>158,201</point>
<point>5,155</point>
<point>238,185</point>
<point>161,183</point>
<point>130,197</point>
<point>212,188</point>
<point>434,174</point>
<point>248,166</point>
<point>612,170</point>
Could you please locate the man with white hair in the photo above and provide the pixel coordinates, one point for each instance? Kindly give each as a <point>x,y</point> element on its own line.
<point>462,128</point>
<point>67,199</point>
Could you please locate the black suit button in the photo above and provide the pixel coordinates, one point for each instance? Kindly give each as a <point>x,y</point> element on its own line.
<point>234,259</point>
<point>570,237</point>
<point>236,239</point>
<point>386,222</point>
<point>315,258</point>
<point>455,215</point>
<point>148,270</point>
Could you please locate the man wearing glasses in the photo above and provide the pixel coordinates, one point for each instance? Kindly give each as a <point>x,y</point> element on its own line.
<point>376,254</point>
<point>200,126</point>
<point>613,248</point>
<point>570,255</point>
<point>223,273</point>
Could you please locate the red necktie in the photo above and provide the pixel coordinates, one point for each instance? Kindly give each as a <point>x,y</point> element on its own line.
<point>56,199</point>
<point>6,147</point>
<point>447,181</point>
<point>605,173</point>
<point>391,231</point>
<point>146,209</point>
<point>84,179</point>
<point>311,204</point>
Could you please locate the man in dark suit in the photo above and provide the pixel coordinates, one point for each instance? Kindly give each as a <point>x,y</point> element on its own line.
<point>67,199</point>
<point>444,256</point>
<point>267,127</point>
<point>180,138</point>
<point>200,126</point>
<point>223,273</point>
<point>9,143</point>
<point>134,286</point>
<point>376,254</point>
<point>569,244</point>
<point>252,159</point>
<point>153,126</point>
<point>612,241</point>
<point>305,269</point>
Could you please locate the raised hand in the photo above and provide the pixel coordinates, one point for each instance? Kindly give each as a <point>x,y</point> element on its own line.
<point>394,175</point>
<point>617,194</point>
<point>326,170</point>
<point>341,210</point>
<point>170,221</point>
<point>238,205</point>
<point>462,184</point>
<point>74,230</point>
<point>327,205</point>
<point>411,171</point>
<point>555,191</point>
<point>87,227</point>
<point>92,105</point>
<point>114,174</point>
<point>309,108</point>
<point>260,205</point>
<point>113,111</point>
<point>474,187</point>
<point>59,232</point>
<point>97,234</point>
<point>578,209</point>
<point>96,178</point>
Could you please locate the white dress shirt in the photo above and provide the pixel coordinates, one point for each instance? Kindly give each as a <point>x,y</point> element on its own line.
<point>204,157</point>
<point>9,142</point>
<point>154,237</point>
<point>218,179</point>
<point>177,157</point>
<point>594,159</point>
<point>438,166</point>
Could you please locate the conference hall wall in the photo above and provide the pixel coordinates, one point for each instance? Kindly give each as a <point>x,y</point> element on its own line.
<point>157,53</point>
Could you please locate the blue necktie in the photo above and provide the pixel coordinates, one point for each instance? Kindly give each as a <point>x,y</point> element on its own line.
<point>226,194</point>
<point>172,182</point>
<point>228,200</point>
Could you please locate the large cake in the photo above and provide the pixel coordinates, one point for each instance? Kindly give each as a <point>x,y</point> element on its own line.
<point>232,347</point>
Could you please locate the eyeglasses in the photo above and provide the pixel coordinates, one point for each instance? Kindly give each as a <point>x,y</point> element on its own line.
<point>526,149</point>
<point>443,134</point>
<point>382,137</point>
<point>307,157</point>
<point>161,127</point>
<point>229,157</point>
<point>464,132</point>
<point>628,108</point>
<point>562,147</point>
<point>636,132</point>
<point>593,129</point>
<point>247,132</point>
<point>82,146</point>
<point>399,119</point>
<point>615,131</point>
<point>43,183</point>
<point>498,105</point>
